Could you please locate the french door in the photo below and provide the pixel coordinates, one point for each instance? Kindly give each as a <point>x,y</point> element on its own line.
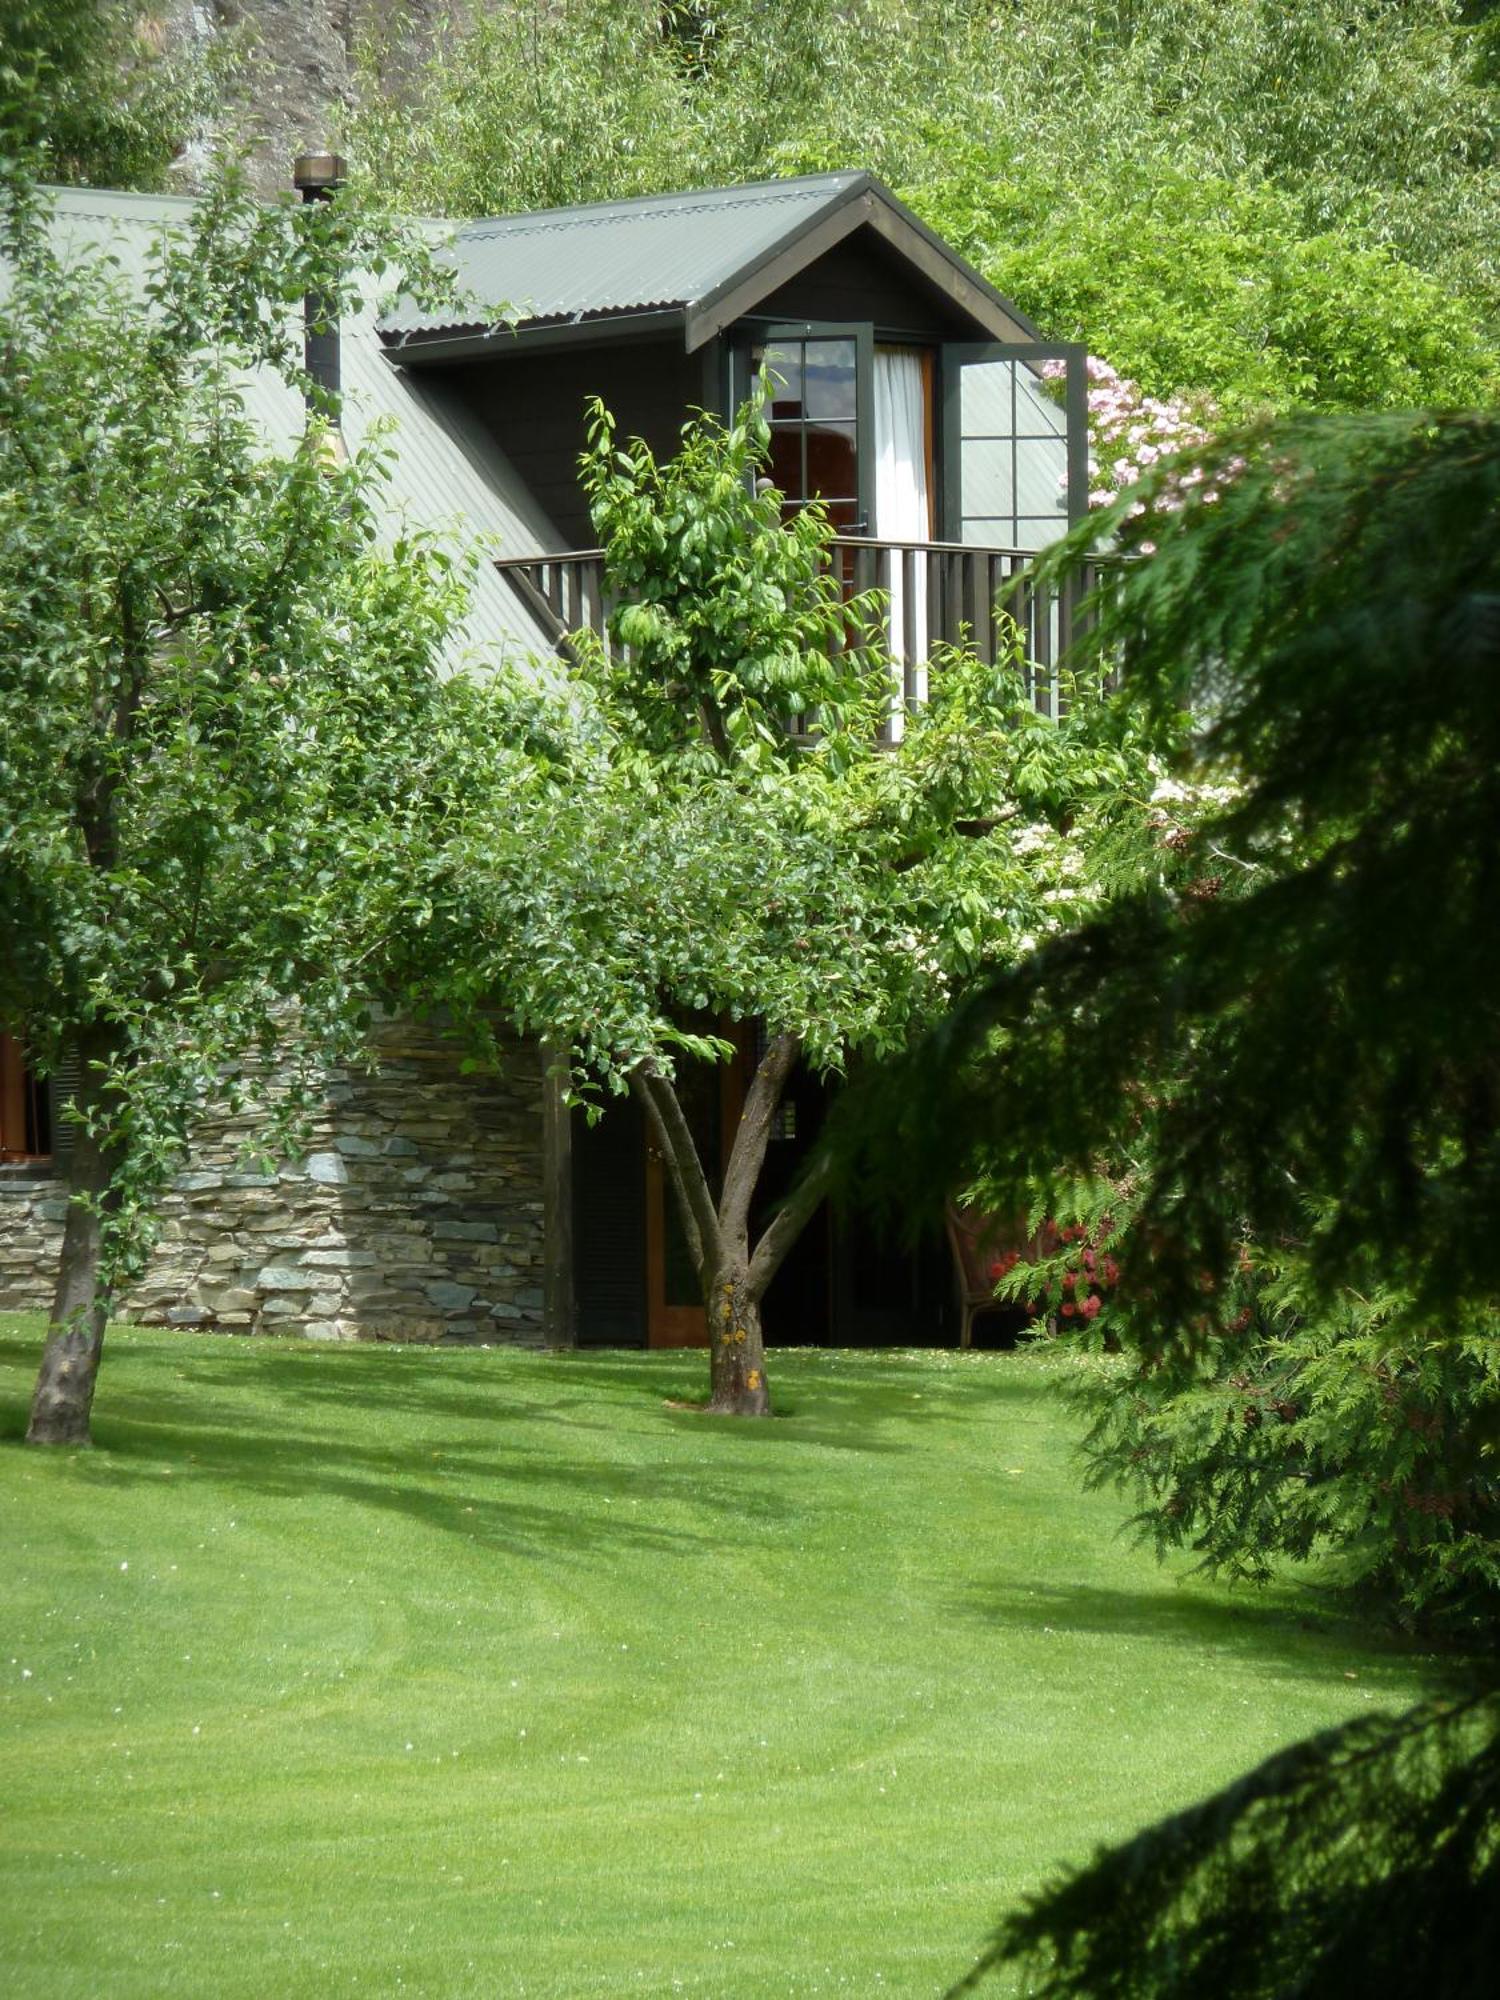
<point>819,411</point>
<point>1015,459</point>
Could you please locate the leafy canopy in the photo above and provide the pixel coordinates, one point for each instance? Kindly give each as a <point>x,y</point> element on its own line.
<point>1283,206</point>
<point>718,826</point>
<point>87,95</point>
<point>217,679</point>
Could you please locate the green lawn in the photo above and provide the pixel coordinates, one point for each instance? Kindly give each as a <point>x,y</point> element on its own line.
<point>379,1671</point>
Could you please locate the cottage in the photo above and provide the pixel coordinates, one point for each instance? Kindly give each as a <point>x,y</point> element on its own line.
<point>907,395</point>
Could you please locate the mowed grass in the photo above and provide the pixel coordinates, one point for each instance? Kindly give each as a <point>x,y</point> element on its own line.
<point>379,1671</point>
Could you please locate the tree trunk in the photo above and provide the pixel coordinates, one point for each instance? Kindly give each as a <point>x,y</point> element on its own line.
<point>737,1352</point>
<point>734,1279</point>
<point>64,1392</point>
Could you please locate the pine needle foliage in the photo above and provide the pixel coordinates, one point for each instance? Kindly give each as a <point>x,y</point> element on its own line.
<point>1298,997</point>
<point>1282,1032</point>
<point>1365,1860</point>
<point>1305,1428</point>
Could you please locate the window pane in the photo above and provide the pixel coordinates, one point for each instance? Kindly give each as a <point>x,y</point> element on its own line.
<point>985,472</point>
<point>1037,407</point>
<point>830,461</point>
<point>829,378</point>
<point>985,405</point>
<point>1041,469</point>
<point>786,459</point>
<point>784,364</point>
<point>983,531</point>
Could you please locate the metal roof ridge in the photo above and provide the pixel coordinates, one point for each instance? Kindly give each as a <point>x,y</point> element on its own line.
<point>700,200</point>
<point>114,201</point>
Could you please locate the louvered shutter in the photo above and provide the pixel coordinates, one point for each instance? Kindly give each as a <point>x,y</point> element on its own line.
<point>66,1076</point>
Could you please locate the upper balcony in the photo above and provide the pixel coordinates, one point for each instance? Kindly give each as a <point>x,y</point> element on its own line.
<point>937,594</point>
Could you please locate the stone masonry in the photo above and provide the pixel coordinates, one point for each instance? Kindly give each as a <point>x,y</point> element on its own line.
<point>416,1213</point>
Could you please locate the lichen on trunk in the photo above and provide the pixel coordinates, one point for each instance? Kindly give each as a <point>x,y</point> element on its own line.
<point>737,1351</point>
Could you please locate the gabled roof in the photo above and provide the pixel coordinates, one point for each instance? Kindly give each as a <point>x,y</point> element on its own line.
<point>695,261</point>
<point>447,474</point>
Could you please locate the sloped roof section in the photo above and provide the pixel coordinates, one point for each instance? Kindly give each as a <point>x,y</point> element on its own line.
<point>447,475</point>
<point>654,252</point>
<point>677,256</point>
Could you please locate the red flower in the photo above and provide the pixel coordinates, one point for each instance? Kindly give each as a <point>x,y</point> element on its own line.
<point>1090,1306</point>
<point>1069,1309</point>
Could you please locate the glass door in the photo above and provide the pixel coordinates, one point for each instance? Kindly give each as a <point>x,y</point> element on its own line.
<point>1015,457</point>
<point>819,413</point>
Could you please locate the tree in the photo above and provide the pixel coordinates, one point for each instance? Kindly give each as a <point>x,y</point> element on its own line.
<point>722,836</point>
<point>1190,280</point>
<point>1285,207</point>
<point>1284,1021</point>
<point>87,93</point>
<point>212,677</point>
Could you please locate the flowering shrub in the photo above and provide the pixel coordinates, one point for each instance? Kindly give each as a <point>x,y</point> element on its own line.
<point>1130,433</point>
<point>1063,1271</point>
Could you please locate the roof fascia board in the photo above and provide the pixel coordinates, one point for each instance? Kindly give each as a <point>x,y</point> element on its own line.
<point>793,252</point>
<point>865,203</point>
<point>426,350</point>
<point>957,280</point>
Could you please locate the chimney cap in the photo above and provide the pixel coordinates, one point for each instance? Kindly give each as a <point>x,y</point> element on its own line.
<point>319,173</point>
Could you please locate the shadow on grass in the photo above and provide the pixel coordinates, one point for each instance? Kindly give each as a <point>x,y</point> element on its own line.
<point>1281,1626</point>
<point>292,1421</point>
<point>864,1402</point>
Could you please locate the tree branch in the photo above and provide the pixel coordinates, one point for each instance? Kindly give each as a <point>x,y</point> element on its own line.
<point>713,724</point>
<point>788,1222</point>
<point>673,1135</point>
<point>749,1149</point>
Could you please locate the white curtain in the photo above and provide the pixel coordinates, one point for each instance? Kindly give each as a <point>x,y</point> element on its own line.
<point>903,506</point>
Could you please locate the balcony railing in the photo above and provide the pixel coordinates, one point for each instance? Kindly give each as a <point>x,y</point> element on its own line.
<point>938,594</point>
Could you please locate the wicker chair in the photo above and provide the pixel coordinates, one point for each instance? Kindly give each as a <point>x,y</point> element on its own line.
<point>977,1239</point>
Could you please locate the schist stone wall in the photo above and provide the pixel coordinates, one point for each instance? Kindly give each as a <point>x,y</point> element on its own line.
<point>416,1213</point>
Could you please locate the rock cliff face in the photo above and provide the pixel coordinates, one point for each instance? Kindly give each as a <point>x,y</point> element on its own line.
<point>291,68</point>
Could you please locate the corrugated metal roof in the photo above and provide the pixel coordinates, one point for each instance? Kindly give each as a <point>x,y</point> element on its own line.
<point>447,475</point>
<point>658,251</point>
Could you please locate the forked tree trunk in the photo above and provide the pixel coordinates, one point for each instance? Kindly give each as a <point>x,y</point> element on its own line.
<point>733,1277</point>
<point>736,1347</point>
<point>64,1393</point>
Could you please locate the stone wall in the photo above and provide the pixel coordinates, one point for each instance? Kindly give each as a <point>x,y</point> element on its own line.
<point>416,1213</point>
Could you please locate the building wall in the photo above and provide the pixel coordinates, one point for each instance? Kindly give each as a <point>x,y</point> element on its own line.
<point>862,278</point>
<point>415,1215</point>
<point>533,404</point>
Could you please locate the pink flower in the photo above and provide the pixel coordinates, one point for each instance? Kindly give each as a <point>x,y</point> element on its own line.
<point>1090,1307</point>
